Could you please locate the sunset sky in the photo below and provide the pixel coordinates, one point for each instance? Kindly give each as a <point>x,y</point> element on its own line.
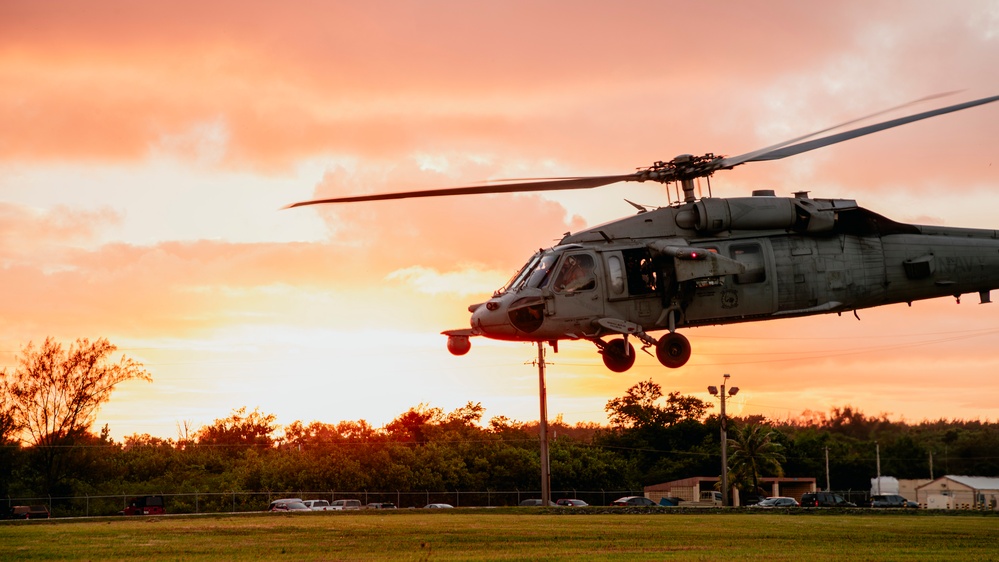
<point>147,150</point>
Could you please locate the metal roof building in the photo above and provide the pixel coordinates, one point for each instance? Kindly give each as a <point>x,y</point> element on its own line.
<point>959,492</point>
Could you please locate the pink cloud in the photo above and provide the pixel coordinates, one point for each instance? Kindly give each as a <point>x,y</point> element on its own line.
<point>24,232</point>
<point>499,231</point>
<point>389,96</point>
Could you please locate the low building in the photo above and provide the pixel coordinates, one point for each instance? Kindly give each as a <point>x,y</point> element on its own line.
<point>690,489</point>
<point>907,487</point>
<point>959,492</point>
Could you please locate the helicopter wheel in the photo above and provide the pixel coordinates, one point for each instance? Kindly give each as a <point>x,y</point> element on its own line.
<point>673,350</point>
<point>617,357</point>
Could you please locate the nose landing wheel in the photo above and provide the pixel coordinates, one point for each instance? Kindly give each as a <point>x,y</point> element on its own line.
<point>673,350</point>
<point>619,355</point>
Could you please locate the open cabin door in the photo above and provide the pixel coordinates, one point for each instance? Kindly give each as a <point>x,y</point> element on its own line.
<point>637,285</point>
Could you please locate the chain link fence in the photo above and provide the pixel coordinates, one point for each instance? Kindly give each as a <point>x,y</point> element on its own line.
<point>242,501</point>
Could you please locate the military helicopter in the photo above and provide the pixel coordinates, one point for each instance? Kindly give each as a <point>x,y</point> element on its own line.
<point>708,261</point>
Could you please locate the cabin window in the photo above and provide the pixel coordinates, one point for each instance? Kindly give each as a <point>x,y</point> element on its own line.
<point>615,274</point>
<point>751,255</point>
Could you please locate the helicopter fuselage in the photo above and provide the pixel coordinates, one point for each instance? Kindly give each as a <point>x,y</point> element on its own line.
<point>720,261</point>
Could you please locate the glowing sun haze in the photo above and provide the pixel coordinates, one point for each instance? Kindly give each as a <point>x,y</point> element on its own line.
<point>147,150</point>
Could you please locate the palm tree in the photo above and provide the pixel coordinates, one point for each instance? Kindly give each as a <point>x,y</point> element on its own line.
<point>754,454</point>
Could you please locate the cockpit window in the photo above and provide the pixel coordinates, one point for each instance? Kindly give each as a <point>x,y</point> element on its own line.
<point>576,274</point>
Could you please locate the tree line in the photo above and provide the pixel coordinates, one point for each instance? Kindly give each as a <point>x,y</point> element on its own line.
<point>48,446</point>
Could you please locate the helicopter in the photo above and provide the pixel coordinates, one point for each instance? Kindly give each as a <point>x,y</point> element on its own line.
<point>711,260</point>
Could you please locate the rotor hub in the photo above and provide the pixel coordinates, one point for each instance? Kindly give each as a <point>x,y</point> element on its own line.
<point>683,167</point>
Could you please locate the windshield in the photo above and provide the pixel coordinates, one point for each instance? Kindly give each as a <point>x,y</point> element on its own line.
<point>518,277</point>
<point>539,275</point>
<point>533,274</point>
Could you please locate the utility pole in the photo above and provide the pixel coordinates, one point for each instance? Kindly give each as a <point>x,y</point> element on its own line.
<point>828,486</point>
<point>877,450</point>
<point>931,465</point>
<point>546,494</point>
<point>724,437</point>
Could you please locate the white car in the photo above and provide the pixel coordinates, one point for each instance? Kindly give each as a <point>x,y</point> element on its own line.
<point>317,505</point>
<point>438,506</point>
<point>778,502</point>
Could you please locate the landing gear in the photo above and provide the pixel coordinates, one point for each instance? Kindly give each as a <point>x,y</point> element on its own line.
<point>619,355</point>
<point>673,350</point>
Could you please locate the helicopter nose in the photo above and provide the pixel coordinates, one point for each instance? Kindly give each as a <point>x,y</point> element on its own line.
<point>509,316</point>
<point>491,319</point>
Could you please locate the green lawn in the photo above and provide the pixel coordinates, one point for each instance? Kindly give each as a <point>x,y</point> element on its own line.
<point>511,534</point>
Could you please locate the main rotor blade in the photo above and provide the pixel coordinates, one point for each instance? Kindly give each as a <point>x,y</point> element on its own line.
<point>852,134</point>
<point>750,156</point>
<point>548,185</point>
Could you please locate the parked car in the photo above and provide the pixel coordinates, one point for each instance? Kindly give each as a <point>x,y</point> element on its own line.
<point>535,502</point>
<point>824,499</point>
<point>345,505</point>
<point>640,501</point>
<point>144,505</point>
<point>294,505</point>
<point>438,506</point>
<point>891,500</point>
<point>566,502</point>
<point>778,501</point>
<point>317,505</point>
<point>380,505</point>
<point>28,512</point>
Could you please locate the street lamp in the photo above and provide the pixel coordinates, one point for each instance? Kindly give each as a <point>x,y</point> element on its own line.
<point>713,390</point>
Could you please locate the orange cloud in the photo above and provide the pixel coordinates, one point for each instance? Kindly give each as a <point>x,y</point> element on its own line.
<point>112,81</point>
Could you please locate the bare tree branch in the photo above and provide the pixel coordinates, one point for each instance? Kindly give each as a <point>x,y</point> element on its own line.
<point>56,393</point>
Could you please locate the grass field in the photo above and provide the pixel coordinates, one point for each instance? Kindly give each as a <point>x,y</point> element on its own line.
<point>511,534</point>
